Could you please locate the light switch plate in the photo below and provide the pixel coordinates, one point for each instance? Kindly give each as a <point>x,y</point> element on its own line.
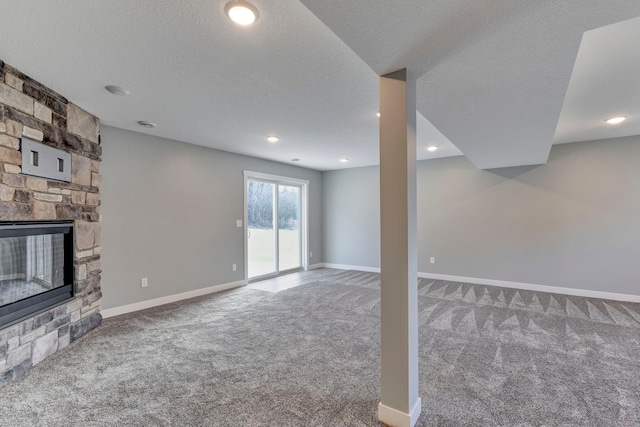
<point>239,223</point>
<point>45,162</point>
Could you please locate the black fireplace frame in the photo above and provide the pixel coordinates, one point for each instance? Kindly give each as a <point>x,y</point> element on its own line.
<point>28,307</point>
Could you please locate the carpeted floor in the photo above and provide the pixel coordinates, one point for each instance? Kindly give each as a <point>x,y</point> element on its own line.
<point>309,356</point>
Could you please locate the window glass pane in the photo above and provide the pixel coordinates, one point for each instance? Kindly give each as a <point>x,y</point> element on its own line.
<point>261,239</point>
<point>289,227</point>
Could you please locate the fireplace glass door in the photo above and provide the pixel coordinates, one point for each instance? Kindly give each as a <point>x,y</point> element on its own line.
<point>36,267</point>
<point>30,265</point>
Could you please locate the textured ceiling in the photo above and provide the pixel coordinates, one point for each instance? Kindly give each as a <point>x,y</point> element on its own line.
<point>605,83</point>
<point>492,75</point>
<point>205,80</point>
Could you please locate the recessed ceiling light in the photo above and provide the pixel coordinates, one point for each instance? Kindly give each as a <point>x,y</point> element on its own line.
<point>378,113</point>
<point>615,120</point>
<point>273,139</point>
<point>432,148</point>
<point>117,90</point>
<point>241,12</point>
<point>344,160</point>
<point>147,125</point>
<point>295,160</point>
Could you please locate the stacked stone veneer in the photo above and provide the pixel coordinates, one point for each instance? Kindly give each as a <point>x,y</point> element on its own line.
<point>27,108</point>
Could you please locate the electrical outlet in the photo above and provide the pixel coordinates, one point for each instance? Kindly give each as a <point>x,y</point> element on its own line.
<point>239,223</point>
<point>310,254</point>
<point>433,260</point>
<point>144,282</point>
<point>233,267</point>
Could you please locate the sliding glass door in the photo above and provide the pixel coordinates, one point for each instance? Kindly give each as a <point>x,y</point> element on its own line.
<point>289,254</point>
<point>274,227</point>
<point>261,234</point>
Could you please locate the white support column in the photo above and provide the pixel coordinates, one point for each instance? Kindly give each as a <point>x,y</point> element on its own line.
<point>400,404</point>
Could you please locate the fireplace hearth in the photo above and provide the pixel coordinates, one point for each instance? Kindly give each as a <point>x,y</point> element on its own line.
<point>36,268</point>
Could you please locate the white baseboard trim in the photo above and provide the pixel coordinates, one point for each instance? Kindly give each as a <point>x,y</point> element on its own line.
<point>396,418</point>
<point>15,276</point>
<point>504,284</point>
<point>129,308</point>
<point>533,287</point>
<point>352,267</point>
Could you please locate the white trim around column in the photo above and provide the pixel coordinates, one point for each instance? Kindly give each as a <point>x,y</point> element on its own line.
<point>395,418</point>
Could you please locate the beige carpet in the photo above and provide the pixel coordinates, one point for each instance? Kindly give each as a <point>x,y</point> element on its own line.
<point>309,356</point>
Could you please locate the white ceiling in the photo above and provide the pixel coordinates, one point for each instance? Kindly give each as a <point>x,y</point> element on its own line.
<point>605,83</point>
<point>492,75</point>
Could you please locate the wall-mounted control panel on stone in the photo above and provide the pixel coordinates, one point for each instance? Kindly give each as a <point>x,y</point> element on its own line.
<point>44,161</point>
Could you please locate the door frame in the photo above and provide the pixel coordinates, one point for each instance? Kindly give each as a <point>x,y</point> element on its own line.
<point>304,218</point>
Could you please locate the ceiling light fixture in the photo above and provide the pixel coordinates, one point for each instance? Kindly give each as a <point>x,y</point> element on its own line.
<point>241,12</point>
<point>273,139</point>
<point>117,90</point>
<point>616,120</point>
<point>147,125</point>
<point>432,148</point>
<point>344,160</point>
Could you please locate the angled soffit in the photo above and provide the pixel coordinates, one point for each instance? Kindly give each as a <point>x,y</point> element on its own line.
<point>605,83</point>
<point>492,74</point>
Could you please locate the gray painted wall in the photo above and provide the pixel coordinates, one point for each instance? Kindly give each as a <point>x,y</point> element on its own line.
<point>573,222</point>
<point>169,211</point>
<point>351,216</point>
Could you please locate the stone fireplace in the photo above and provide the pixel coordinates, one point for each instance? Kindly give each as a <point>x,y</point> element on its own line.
<point>30,110</point>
